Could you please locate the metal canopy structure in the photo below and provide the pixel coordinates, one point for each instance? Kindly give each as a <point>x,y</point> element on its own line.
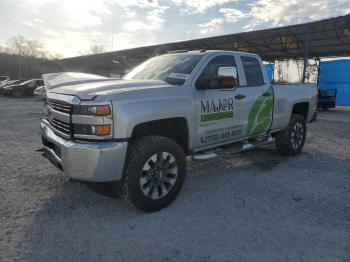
<point>325,38</point>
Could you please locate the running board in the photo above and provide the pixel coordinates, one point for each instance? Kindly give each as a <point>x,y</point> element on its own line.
<point>233,149</point>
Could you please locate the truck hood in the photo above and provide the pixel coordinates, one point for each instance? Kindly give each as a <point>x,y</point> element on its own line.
<point>87,86</point>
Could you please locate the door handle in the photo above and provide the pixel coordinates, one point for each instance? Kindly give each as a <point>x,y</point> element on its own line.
<point>240,96</point>
<point>266,94</point>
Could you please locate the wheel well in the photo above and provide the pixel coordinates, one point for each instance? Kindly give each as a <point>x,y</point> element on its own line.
<point>174,128</point>
<point>301,109</point>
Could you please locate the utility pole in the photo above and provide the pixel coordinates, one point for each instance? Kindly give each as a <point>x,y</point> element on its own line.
<point>112,48</point>
<point>112,44</point>
<point>20,57</point>
<point>19,61</point>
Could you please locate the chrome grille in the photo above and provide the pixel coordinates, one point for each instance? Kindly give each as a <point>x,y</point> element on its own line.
<point>59,125</point>
<point>54,111</point>
<point>59,106</point>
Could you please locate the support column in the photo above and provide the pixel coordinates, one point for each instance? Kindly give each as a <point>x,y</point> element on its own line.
<point>306,55</point>
<point>273,70</point>
<point>318,70</point>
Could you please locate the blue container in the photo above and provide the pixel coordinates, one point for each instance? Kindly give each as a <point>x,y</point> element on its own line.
<point>336,75</point>
<point>269,71</point>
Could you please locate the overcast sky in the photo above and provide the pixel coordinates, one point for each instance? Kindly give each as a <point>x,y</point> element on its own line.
<point>70,26</point>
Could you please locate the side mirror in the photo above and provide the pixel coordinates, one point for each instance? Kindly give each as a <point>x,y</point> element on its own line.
<point>226,79</point>
<point>227,72</point>
<point>219,82</point>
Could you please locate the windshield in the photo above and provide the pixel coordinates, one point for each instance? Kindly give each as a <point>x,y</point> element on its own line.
<point>173,68</point>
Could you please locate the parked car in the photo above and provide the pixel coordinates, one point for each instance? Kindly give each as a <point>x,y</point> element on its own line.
<point>3,79</point>
<point>40,92</point>
<point>139,130</point>
<point>6,82</point>
<point>10,82</point>
<point>326,98</point>
<point>24,89</point>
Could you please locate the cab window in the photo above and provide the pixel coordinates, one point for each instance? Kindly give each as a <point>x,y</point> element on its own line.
<point>252,71</point>
<point>211,70</point>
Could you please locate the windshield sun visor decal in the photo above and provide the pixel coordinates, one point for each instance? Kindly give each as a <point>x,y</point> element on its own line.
<point>179,76</point>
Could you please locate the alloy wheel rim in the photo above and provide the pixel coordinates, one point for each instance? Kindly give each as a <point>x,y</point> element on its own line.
<point>297,135</point>
<point>159,175</point>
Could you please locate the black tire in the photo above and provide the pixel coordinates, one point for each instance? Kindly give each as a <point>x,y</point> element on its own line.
<point>141,153</point>
<point>290,141</point>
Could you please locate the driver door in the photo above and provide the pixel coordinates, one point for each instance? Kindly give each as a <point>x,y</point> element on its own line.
<point>218,119</point>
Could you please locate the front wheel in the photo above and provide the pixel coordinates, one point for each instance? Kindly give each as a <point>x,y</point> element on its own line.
<point>155,172</point>
<point>291,140</point>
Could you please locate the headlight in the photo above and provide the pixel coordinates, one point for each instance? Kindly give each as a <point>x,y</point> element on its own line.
<point>98,110</point>
<point>93,130</point>
<point>93,120</point>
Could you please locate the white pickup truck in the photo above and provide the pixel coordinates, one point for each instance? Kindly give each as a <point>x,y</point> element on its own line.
<point>139,130</point>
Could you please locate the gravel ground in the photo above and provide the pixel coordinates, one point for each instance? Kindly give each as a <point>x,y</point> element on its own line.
<point>256,206</point>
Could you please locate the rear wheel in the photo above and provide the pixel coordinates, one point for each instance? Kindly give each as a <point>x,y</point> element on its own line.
<point>154,173</point>
<point>291,140</point>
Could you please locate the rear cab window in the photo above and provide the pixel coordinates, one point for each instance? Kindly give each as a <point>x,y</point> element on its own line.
<point>252,70</point>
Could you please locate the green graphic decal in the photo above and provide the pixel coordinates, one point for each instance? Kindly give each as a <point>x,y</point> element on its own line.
<point>260,115</point>
<point>216,116</point>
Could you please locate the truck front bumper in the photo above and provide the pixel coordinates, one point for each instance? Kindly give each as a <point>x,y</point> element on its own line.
<point>95,162</point>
